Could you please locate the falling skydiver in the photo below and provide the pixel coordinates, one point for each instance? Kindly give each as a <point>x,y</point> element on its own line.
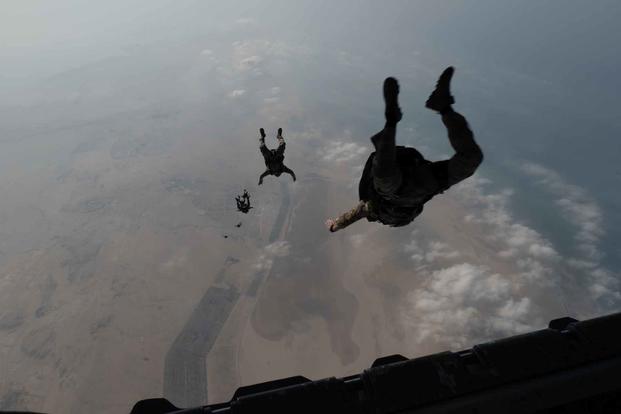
<point>274,158</point>
<point>243,202</point>
<point>397,181</point>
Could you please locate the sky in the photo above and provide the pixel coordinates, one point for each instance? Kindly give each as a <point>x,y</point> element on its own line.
<point>125,126</point>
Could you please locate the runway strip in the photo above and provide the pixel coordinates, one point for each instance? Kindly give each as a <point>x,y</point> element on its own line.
<point>185,366</point>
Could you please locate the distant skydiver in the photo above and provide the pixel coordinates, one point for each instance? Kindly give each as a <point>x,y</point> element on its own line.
<point>243,202</point>
<point>397,181</point>
<point>274,158</point>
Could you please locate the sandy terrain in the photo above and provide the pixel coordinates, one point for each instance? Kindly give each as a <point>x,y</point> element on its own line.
<point>107,263</point>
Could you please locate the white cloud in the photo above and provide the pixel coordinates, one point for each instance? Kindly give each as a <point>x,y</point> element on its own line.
<point>513,239</point>
<point>582,264</point>
<point>246,56</point>
<point>431,253</point>
<point>465,304</point>
<point>237,93</point>
<point>357,239</point>
<point>250,61</point>
<point>576,206</point>
<point>266,258</point>
<point>278,248</point>
<point>417,253</point>
<point>439,250</point>
<point>536,257</point>
<point>579,209</point>
<point>250,53</point>
<point>339,151</point>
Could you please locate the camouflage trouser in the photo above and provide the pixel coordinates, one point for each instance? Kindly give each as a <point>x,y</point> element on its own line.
<point>269,155</point>
<point>363,209</point>
<point>437,176</point>
<point>468,155</point>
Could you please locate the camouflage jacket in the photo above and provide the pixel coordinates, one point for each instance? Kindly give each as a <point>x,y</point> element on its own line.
<point>419,185</point>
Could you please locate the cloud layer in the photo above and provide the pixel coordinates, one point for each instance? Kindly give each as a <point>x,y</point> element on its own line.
<point>462,301</point>
<point>576,206</point>
<point>270,252</point>
<point>467,303</point>
<point>341,151</point>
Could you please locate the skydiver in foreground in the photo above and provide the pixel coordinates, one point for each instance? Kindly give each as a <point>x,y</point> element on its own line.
<point>397,181</point>
<point>274,158</point>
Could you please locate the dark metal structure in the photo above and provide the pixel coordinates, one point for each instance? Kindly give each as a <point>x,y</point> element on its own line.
<point>570,367</point>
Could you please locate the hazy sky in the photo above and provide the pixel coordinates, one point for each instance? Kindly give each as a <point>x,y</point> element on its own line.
<point>572,40</point>
<point>557,56</point>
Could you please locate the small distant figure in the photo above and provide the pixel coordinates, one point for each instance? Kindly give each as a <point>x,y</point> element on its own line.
<point>226,236</point>
<point>397,181</point>
<point>274,158</point>
<point>243,202</point>
<point>238,224</point>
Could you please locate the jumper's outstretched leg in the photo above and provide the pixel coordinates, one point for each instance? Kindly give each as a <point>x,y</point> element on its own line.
<point>468,155</point>
<point>386,175</point>
<point>280,150</point>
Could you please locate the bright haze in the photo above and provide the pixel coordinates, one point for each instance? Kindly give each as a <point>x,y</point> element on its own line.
<point>128,127</point>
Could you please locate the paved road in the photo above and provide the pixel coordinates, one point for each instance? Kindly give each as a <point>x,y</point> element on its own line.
<point>185,374</point>
<point>185,366</point>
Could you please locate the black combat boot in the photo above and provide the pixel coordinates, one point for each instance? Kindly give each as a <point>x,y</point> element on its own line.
<point>441,99</point>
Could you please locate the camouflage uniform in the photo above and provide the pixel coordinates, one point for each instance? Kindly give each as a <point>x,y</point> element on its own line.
<point>274,159</point>
<point>362,209</point>
<point>394,188</point>
<point>243,202</point>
